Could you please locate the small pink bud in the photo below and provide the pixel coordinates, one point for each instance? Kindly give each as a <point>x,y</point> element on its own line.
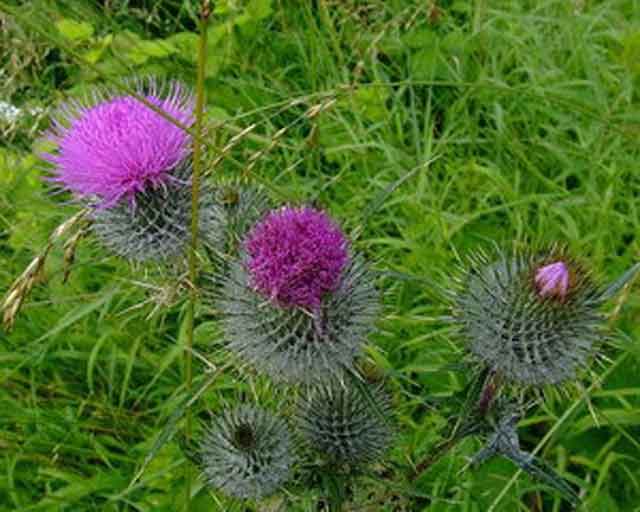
<point>553,280</point>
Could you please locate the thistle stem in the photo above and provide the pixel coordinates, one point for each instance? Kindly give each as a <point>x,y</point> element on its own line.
<point>195,201</point>
<point>440,451</point>
<point>337,486</point>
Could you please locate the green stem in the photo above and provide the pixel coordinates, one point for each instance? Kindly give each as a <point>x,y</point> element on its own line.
<point>195,202</point>
<point>440,451</point>
<point>336,485</point>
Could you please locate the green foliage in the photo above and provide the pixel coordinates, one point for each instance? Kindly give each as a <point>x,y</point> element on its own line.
<point>451,126</point>
<point>74,30</point>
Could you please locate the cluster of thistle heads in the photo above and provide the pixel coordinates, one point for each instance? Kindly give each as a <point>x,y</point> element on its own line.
<point>296,302</point>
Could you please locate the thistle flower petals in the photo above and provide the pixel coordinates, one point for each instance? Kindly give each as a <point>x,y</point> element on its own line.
<point>119,147</point>
<point>296,256</point>
<point>553,280</point>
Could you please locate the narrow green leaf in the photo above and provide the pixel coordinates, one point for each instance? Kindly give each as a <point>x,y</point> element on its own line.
<point>127,374</point>
<point>620,283</point>
<point>91,363</point>
<point>379,200</point>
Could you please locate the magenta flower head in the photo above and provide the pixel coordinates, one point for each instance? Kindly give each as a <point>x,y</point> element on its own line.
<point>552,280</point>
<point>296,256</point>
<point>132,163</point>
<point>296,303</point>
<point>117,146</point>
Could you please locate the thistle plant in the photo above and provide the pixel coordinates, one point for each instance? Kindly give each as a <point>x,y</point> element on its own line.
<point>531,317</point>
<point>294,299</point>
<point>343,424</point>
<point>132,166</point>
<point>297,304</point>
<point>247,453</point>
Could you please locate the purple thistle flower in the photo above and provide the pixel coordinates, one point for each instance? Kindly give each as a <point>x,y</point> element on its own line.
<point>552,280</point>
<point>296,304</point>
<point>296,256</point>
<point>118,146</point>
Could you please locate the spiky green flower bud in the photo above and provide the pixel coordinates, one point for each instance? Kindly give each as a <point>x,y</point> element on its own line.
<point>247,453</point>
<point>242,205</point>
<point>341,423</point>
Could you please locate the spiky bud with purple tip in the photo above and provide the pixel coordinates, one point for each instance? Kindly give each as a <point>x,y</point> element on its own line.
<point>132,166</point>
<point>247,453</point>
<point>531,317</point>
<point>295,304</point>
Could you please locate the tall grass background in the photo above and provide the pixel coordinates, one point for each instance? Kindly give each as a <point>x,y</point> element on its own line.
<point>428,129</point>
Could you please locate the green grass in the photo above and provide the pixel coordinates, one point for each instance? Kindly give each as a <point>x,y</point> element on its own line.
<point>443,129</point>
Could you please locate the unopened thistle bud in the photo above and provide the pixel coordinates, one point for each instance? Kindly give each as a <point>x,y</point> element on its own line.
<point>242,205</point>
<point>296,304</point>
<point>530,317</point>
<point>341,423</point>
<point>247,453</point>
<point>552,280</point>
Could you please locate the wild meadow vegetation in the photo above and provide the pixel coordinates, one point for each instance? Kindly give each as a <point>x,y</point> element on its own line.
<point>452,144</point>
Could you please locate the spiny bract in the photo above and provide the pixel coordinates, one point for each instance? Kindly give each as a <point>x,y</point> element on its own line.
<point>293,344</point>
<point>247,452</point>
<point>158,225</point>
<point>242,205</point>
<point>531,317</point>
<point>340,422</point>
<point>505,441</point>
